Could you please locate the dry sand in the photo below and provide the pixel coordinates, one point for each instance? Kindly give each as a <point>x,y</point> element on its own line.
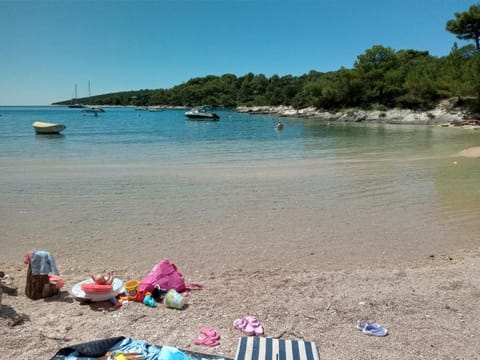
<point>430,307</point>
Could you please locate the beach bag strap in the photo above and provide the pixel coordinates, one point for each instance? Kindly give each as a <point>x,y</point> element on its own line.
<point>189,287</point>
<point>193,286</point>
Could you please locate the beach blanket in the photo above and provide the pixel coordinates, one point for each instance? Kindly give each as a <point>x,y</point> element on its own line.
<point>263,348</point>
<point>98,348</point>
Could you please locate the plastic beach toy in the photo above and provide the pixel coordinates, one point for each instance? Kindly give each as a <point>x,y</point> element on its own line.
<point>78,293</point>
<point>174,300</point>
<point>149,301</point>
<point>131,288</point>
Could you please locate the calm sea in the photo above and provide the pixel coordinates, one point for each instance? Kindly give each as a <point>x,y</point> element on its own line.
<point>123,135</point>
<point>329,192</point>
<point>126,135</point>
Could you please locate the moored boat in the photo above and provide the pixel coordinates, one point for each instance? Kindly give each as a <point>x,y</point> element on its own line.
<point>75,104</point>
<point>47,128</point>
<point>201,113</point>
<point>93,109</point>
<point>155,109</point>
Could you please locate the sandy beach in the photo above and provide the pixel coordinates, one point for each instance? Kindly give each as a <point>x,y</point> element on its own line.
<point>429,307</point>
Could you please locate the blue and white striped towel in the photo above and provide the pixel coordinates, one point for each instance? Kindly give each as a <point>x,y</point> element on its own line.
<point>263,348</point>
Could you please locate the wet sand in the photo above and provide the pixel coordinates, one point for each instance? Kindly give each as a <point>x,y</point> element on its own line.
<point>301,246</point>
<point>472,152</point>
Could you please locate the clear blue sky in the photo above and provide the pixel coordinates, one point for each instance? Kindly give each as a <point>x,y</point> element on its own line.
<point>47,46</point>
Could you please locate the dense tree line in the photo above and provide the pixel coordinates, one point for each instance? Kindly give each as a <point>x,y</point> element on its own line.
<point>380,78</point>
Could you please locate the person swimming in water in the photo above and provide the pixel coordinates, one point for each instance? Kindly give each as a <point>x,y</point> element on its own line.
<point>279,126</point>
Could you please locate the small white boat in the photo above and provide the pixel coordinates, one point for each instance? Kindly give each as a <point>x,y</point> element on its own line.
<point>155,109</point>
<point>201,113</point>
<point>47,128</point>
<point>93,109</point>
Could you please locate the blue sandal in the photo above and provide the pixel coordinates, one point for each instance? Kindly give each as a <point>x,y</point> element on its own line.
<point>371,328</point>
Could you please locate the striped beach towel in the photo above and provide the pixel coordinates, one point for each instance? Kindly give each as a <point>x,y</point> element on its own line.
<point>263,348</point>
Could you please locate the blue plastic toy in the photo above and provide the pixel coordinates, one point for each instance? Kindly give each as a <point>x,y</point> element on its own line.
<point>149,301</point>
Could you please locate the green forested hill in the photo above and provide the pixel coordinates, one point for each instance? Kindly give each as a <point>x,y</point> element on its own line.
<point>380,78</point>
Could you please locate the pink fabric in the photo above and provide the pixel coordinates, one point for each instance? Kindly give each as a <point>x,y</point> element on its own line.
<point>57,280</point>
<point>165,275</point>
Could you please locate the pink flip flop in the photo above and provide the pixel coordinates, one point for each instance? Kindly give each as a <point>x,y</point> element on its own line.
<point>239,324</point>
<point>252,320</point>
<point>259,330</point>
<point>206,341</point>
<point>244,326</point>
<point>210,333</point>
<point>249,325</point>
<point>255,323</point>
<point>210,339</point>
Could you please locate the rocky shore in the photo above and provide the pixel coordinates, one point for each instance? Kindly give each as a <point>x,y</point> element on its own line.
<point>445,114</point>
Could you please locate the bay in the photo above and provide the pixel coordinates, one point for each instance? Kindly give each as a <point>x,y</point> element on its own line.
<point>328,195</point>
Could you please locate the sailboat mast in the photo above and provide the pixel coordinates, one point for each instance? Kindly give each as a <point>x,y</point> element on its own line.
<point>89,88</point>
<point>74,103</point>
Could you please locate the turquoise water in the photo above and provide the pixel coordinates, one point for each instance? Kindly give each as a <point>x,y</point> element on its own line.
<point>126,135</point>
<point>235,189</point>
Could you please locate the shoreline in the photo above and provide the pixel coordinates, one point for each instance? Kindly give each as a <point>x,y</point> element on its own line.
<point>445,114</point>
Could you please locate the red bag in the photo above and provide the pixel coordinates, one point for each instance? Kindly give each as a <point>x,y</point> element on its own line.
<point>166,276</point>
